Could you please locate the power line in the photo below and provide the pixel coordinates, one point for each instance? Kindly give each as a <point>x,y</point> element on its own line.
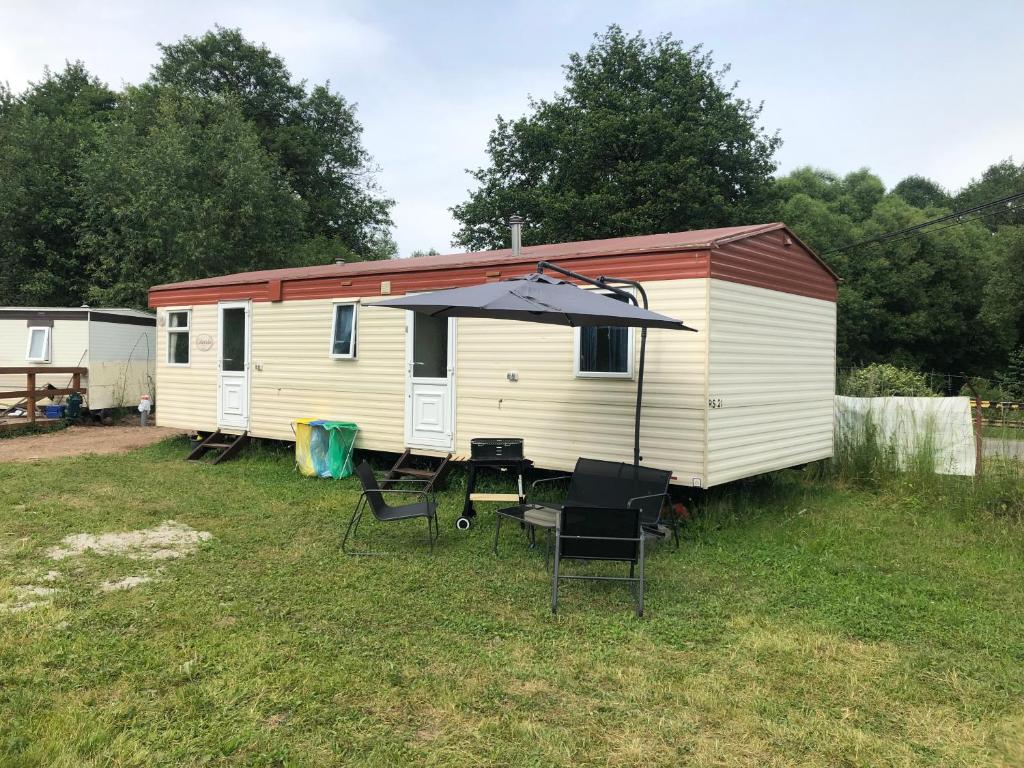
<point>1009,200</point>
<point>959,222</point>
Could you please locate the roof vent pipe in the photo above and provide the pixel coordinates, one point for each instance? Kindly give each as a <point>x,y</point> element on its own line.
<point>515,223</point>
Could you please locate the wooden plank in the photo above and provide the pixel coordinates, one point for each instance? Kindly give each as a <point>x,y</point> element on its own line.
<point>42,369</point>
<point>494,497</point>
<point>40,394</point>
<point>31,395</point>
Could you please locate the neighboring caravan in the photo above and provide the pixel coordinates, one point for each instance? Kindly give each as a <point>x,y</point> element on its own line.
<point>117,346</point>
<point>751,392</point>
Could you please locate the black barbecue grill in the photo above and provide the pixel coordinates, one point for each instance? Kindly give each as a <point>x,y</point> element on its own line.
<point>500,453</point>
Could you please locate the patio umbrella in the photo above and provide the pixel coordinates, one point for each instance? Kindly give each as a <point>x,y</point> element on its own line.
<point>538,298</point>
<point>535,298</point>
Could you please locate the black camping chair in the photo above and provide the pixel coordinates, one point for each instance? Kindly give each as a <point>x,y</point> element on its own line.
<point>599,483</point>
<point>373,497</point>
<point>600,533</point>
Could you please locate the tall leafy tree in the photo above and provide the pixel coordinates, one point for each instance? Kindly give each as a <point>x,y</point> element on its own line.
<point>313,134</point>
<point>179,187</point>
<point>922,192</point>
<point>43,134</point>
<point>646,137</point>
<point>998,180</point>
<point>916,301</point>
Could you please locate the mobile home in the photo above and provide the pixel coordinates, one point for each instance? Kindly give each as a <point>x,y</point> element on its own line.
<point>750,392</point>
<point>117,346</point>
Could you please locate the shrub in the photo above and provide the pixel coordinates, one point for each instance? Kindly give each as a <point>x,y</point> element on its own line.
<point>1011,378</point>
<point>884,380</point>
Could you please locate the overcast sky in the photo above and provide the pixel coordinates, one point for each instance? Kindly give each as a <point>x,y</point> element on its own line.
<point>924,87</point>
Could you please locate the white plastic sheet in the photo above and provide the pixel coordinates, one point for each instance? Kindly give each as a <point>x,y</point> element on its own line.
<point>907,422</point>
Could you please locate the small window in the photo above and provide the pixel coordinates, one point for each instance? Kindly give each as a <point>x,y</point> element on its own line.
<point>178,327</point>
<point>605,351</point>
<point>343,333</point>
<point>38,345</point>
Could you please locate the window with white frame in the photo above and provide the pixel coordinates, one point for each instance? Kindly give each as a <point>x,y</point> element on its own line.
<point>604,351</point>
<point>343,331</point>
<point>38,350</point>
<point>179,323</point>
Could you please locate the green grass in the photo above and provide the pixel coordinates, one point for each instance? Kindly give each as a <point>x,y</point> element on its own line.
<point>798,625</point>
<point>1003,432</point>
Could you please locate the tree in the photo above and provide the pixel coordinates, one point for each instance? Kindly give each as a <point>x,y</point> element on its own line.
<point>645,138</point>
<point>43,134</point>
<point>1011,378</point>
<point>999,180</point>
<point>313,134</point>
<point>915,301</point>
<point>430,252</point>
<point>921,192</point>
<point>1003,306</point>
<point>179,188</point>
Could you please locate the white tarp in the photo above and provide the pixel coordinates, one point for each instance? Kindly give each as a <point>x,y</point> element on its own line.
<point>908,422</point>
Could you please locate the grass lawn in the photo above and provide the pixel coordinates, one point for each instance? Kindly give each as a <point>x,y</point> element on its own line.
<point>797,625</point>
<point>1002,432</point>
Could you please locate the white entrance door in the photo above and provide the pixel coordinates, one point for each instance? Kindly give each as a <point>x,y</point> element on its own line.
<point>430,382</point>
<point>233,384</point>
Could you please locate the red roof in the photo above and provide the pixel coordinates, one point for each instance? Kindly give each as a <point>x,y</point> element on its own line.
<point>698,239</point>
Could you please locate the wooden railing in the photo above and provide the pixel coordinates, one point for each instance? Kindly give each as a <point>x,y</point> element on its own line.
<point>31,393</point>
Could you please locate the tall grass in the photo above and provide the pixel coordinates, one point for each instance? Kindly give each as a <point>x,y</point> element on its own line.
<point>866,458</point>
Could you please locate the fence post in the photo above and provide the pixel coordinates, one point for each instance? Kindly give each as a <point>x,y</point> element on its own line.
<point>31,381</point>
<point>978,439</point>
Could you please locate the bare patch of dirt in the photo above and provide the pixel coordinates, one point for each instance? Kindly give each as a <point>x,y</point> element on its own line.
<point>166,541</point>
<point>28,597</point>
<point>128,582</point>
<point>76,441</point>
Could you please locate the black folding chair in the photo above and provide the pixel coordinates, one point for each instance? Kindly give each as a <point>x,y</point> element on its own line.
<point>373,497</point>
<point>599,483</point>
<point>600,533</point>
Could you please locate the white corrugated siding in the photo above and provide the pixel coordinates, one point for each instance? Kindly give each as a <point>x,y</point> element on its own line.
<point>186,396</point>
<point>772,366</point>
<point>562,417</point>
<point>291,342</point>
<point>121,363</point>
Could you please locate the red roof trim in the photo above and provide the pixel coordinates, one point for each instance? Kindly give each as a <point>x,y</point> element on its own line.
<point>673,255</point>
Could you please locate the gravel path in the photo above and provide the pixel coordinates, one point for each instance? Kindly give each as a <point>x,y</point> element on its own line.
<point>75,441</point>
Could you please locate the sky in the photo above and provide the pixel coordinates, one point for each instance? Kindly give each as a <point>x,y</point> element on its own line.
<point>927,87</point>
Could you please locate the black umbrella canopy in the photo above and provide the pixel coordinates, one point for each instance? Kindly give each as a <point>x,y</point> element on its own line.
<point>535,298</point>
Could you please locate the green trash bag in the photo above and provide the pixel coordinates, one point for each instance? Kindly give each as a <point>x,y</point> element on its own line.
<point>323,448</point>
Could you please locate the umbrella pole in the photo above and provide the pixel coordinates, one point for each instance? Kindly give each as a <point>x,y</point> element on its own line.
<point>643,355</point>
<point>608,283</point>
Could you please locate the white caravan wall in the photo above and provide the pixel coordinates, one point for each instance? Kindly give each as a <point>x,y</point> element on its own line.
<point>295,377</point>
<point>563,417</point>
<point>186,396</point>
<point>771,380</point>
<point>121,363</point>
<point>69,342</point>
